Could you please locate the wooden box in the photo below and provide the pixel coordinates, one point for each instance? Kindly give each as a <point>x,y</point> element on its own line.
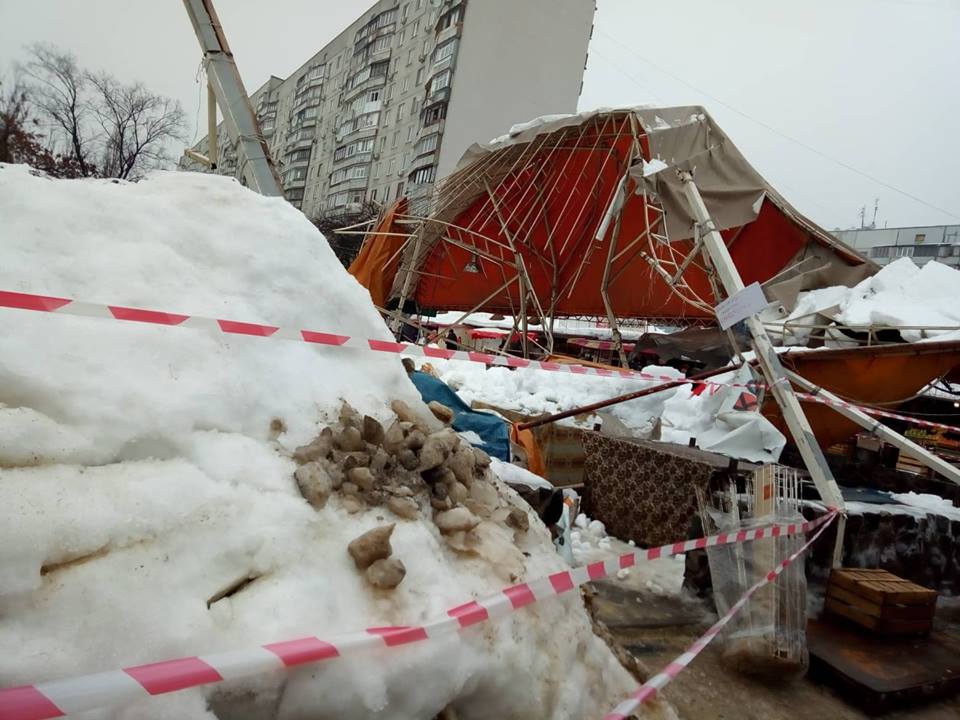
<point>880,601</point>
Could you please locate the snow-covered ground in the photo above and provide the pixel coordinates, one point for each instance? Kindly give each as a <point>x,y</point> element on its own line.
<point>146,469</point>
<point>562,326</point>
<point>900,294</point>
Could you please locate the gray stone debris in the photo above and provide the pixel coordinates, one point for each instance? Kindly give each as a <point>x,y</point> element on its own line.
<point>386,574</point>
<point>349,440</point>
<point>362,478</point>
<point>373,545</point>
<point>459,518</point>
<point>404,507</point>
<point>372,430</point>
<point>441,412</point>
<point>314,483</point>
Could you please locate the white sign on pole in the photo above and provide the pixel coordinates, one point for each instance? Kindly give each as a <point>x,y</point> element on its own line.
<point>745,303</point>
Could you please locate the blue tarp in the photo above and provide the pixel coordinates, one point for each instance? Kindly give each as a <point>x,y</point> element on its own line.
<point>494,432</point>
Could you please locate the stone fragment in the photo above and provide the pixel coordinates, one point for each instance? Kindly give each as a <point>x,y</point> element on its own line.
<point>485,493</point>
<point>349,440</point>
<point>404,507</point>
<point>349,417</point>
<point>437,448</point>
<point>458,492</point>
<point>385,574</point>
<point>478,508</point>
<point>373,545</point>
<point>352,504</point>
<point>441,412</point>
<point>459,518</point>
<point>408,459</point>
<point>518,520</point>
<point>441,505</point>
<point>348,488</point>
<point>371,430</point>
<point>406,414</point>
<point>462,463</point>
<point>459,541</point>
<point>414,440</point>
<point>317,448</point>
<point>482,459</point>
<point>351,460</point>
<point>314,483</point>
<point>380,462</point>
<point>393,438</point>
<point>362,478</point>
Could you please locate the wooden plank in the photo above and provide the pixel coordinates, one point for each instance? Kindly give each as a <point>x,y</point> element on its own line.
<point>908,612</point>
<point>897,593</point>
<point>862,604</point>
<point>837,607</point>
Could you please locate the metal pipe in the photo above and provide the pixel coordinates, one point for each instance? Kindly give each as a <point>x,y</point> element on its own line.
<point>213,152</point>
<point>624,398</point>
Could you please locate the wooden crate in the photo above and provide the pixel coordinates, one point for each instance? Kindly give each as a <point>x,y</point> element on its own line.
<point>880,601</point>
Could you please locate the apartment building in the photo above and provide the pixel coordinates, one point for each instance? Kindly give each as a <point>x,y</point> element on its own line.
<point>390,105</point>
<point>923,243</point>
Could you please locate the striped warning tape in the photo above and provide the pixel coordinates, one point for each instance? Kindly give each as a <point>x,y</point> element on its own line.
<point>655,684</point>
<point>879,413</point>
<point>57,698</point>
<point>66,306</point>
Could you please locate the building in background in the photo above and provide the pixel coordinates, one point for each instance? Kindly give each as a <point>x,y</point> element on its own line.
<point>391,104</point>
<point>925,243</point>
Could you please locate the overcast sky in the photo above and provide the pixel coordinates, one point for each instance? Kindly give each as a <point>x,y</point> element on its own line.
<point>872,85</point>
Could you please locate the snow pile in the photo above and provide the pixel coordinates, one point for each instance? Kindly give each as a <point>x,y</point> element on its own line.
<point>900,294</point>
<point>590,543</point>
<point>929,502</point>
<point>676,414</point>
<point>561,326</point>
<point>147,473</point>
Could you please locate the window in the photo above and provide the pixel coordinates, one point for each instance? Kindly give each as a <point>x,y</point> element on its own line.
<point>403,12</point>
<point>399,189</point>
<point>416,27</point>
<point>373,194</point>
<point>444,51</point>
<point>406,84</point>
<point>392,166</point>
<point>904,251</point>
<point>920,237</point>
<point>381,43</point>
<point>926,251</point>
<point>880,252</point>
<point>376,170</point>
<point>396,139</point>
<point>427,144</point>
<point>373,96</point>
<point>423,175</point>
<point>354,172</point>
<point>402,37</point>
<point>420,76</point>
<point>448,19</point>
<point>383,143</point>
<point>379,69</point>
<point>410,131</point>
<point>440,81</point>
<point>410,57</point>
<point>435,114</point>
<point>414,107</point>
<point>400,108</point>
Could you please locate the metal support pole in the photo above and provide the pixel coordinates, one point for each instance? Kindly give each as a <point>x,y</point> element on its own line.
<point>938,465</point>
<point>773,370</point>
<point>212,149</point>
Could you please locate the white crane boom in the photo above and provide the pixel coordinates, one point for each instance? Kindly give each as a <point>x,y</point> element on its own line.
<point>259,172</point>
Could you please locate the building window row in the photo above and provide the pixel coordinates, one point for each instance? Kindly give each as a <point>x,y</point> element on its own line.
<point>354,148</point>
<point>445,51</point>
<point>434,114</point>
<point>354,172</point>
<point>376,23</point>
<point>342,198</point>
<point>452,17</point>
<point>427,144</point>
<point>358,123</point>
<point>886,251</point>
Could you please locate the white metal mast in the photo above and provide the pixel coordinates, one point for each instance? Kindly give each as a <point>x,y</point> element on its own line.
<point>257,168</point>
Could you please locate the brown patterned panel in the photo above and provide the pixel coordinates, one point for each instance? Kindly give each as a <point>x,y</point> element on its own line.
<point>644,491</point>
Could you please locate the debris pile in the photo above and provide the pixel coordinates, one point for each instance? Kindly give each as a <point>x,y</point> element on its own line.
<point>415,471</point>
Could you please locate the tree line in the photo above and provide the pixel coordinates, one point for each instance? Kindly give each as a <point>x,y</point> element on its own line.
<point>70,122</point>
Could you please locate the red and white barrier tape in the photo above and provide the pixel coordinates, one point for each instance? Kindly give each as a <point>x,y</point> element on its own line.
<point>652,686</point>
<point>67,306</point>
<point>57,698</point>
<point>878,413</point>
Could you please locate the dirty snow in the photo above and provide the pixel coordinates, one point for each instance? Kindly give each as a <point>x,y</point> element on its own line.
<point>145,469</point>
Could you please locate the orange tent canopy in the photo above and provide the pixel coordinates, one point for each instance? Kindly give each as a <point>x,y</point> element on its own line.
<point>591,204</point>
<point>376,264</point>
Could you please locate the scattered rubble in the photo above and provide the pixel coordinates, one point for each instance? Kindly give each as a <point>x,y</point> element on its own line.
<point>413,471</point>
<point>441,412</point>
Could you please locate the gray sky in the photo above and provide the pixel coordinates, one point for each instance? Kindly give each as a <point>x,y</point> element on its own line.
<point>870,84</point>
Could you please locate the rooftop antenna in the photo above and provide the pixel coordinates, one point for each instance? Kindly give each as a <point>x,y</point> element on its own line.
<point>876,206</point>
<point>863,216</point>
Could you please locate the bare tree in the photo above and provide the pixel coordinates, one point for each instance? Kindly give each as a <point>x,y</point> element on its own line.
<point>135,125</point>
<point>58,88</point>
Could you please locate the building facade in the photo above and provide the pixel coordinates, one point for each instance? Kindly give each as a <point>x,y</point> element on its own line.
<point>390,105</point>
<point>923,243</point>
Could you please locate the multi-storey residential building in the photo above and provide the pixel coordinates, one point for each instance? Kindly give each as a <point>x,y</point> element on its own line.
<point>923,243</point>
<point>393,101</point>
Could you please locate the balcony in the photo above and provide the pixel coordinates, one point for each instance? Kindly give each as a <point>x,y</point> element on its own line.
<point>360,157</point>
<point>371,82</point>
